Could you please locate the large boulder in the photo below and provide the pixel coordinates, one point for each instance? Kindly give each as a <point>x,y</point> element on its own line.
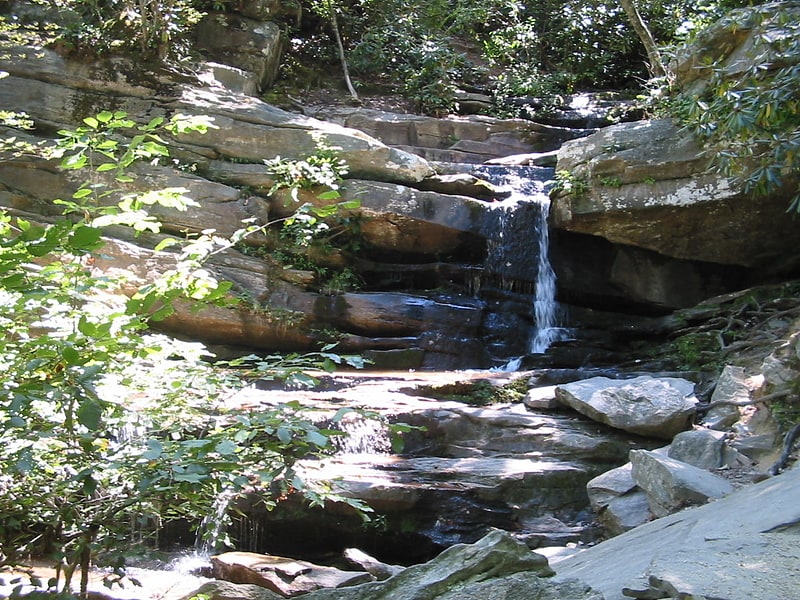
<point>647,185</point>
<point>59,93</point>
<point>647,406</point>
<point>255,46</point>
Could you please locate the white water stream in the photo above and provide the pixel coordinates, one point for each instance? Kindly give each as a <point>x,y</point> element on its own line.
<point>527,187</point>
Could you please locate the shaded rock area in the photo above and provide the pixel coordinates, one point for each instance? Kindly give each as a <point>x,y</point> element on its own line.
<point>495,566</point>
<point>472,469</point>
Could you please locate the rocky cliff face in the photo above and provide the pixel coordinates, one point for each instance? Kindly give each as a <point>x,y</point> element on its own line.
<point>650,231</point>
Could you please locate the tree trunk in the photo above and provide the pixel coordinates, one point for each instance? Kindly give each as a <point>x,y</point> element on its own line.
<point>340,47</point>
<point>654,57</point>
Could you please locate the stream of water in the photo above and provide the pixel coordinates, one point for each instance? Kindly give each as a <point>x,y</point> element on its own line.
<point>523,215</point>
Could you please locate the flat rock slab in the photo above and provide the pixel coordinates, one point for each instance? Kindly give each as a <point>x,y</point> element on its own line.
<point>745,545</point>
<point>657,407</point>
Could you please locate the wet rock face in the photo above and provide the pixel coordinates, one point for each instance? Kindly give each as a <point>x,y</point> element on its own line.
<point>472,469</point>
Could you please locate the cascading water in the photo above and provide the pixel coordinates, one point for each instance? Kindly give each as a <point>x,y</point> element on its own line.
<point>523,214</point>
<point>362,436</point>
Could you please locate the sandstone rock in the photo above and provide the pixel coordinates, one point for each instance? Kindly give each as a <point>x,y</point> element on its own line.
<point>671,485</point>
<point>731,387</point>
<point>655,407</point>
<point>617,501</point>
<point>541,398</point>
<point>255,46</point>
<point>463,184</point>
<point>285,576</point>
<point>611,484</point>
<point>455,571</point>
<point>60,93</point>
<point>647,186</point>
<point>473,139</point>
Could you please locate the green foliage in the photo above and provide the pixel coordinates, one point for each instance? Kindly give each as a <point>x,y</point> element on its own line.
<point>567,183</point>
<point>752,122</point>
<point>106,430</point>
<point>293,368</point>
<point>481,392</point>
<point>323,168</point>
<point>698,351</point>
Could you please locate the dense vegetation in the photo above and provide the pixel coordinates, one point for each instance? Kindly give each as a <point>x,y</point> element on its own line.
<point>107,430</point>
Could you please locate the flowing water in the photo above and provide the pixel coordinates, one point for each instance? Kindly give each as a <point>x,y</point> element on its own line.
<point>521,217</point>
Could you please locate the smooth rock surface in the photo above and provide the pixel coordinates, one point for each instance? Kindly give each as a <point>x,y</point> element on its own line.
<point>647,406</point>
<point>743,546</point>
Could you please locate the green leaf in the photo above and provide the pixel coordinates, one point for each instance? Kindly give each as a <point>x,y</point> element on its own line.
<point>106,167</point>
<point>82,193</point>
<point>154,450</point>
<point>18,422</point>
<point>84,238</point>
<point>91,122</point>
<point>226,448</point>
<point>316,438</point>
<point>284,435</point>
<point>90,414</point>
<point>71,355</point>
<point>106,116</point>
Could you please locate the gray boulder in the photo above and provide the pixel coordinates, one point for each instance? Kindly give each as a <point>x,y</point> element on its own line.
<point>701,448</point>
<point>671,485</point>
<point>255,46</point>
<point>648,406</point>
<point>616,500</point>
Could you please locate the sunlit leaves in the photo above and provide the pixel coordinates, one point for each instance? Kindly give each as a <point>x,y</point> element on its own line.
<point>752,123</point>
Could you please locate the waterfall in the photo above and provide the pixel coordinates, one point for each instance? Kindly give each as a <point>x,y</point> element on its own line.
<point>362,435</point>
<point>545,307</point>
<point>522,215</point>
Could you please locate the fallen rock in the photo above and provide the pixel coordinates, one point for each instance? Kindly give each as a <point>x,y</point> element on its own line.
<point>616,500</point>
<point>611,484</point>
<point>701,448</point>
<point>365,562</point>
<point>285,576</point>
<point>648,406</point>
<point>671,485</point>
<point>625,512</point>
<point>496,566</point>
<point>731,387</point>
<point>746,545</point>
